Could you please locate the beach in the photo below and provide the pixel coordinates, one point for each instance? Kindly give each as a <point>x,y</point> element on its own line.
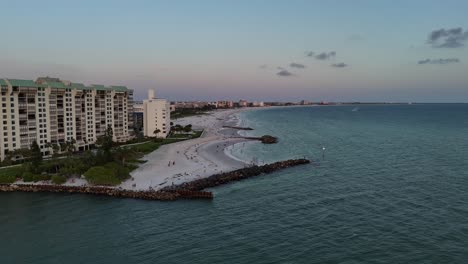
<point>191,159</point>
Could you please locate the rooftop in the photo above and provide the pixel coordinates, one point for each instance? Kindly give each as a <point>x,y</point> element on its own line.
<point>58,84</point>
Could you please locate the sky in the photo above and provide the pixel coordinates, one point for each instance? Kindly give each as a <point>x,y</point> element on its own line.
<point>269,50</point>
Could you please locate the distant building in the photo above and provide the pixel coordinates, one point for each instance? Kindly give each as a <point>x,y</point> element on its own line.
<point>138,115</point>
<point>243,103</point>
<point>225,104</point>
<point>189,105</point>
<point>305,102</point>
<point>258,104</point>
<point>156,116</point>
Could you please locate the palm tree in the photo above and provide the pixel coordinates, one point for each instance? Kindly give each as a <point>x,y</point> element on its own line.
<point>156,132</point>
<point>69,146</point>
<point>123,154</point>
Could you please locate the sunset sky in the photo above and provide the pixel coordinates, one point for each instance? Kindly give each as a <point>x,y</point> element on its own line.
<point>362,50</point>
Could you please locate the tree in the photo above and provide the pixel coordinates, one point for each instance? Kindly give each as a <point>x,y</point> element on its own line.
<point>156,132</point>
<point>69,146</point>
<point>122,155</point>
<point>55,153</point>
<point>187,128</point>
<point>36,156</point>
<point>178,128</point>
<point>55,148</point>
<point>105,141</point>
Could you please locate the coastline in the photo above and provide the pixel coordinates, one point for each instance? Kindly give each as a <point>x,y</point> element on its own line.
<point>194,159</point>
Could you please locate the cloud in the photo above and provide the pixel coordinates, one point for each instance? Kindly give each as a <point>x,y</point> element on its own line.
<point>448,38</point>
<point>439,61</point>
<point>321,56</point>
<point>263,67</point>
<point>284,73</point>
<point>339,65</point>
<point>297,65</point>
<point>325,55</point>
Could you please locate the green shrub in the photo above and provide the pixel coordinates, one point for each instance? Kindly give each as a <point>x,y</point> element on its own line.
<point>7,179</point>
<point>121,172</point>
<point>9,175</point>
<point>41,177</point>
<point>28,176</point>
<point>58,179</point>
<point>101,175</point>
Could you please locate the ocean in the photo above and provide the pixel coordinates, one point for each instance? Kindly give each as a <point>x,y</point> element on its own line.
<point>387,184</point>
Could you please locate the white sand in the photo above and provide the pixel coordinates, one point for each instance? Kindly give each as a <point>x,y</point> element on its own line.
<point>195,158</point>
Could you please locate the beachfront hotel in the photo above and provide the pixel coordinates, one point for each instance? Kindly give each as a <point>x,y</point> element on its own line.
<point>156,116</point>
<point>50,110</point>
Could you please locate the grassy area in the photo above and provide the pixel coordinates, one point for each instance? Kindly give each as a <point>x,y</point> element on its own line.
<point>181,113</point>
<point>151,146</point>
<point>98,168</point>
<point>195,134</point>
<point>9,175</point>
<point>102,175</point>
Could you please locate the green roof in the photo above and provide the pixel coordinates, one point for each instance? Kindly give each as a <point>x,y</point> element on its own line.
<point>61,85</point>
<point>99,87</point>
<point>80,86</point>
<point>58,85</point>
<point>24,83</point>
<point>119,88</point>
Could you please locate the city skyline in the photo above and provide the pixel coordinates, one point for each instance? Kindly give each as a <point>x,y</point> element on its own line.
<point>256,50</point>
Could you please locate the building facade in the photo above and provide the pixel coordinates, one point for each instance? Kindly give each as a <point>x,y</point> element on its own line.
<point>138,116</point>
<point>156,116</point>
<point>49,110</point>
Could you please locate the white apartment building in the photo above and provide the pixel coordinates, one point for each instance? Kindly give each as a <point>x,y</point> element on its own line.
<point>156,115</point>
<point>49,110</point>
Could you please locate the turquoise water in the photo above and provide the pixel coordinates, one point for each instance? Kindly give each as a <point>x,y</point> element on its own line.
<point>391,188</point>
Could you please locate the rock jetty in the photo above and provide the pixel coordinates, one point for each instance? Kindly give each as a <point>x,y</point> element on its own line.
<point>239,128</point>
<point>266,139</point>
<point>189,190</point>
<point>237,175</point>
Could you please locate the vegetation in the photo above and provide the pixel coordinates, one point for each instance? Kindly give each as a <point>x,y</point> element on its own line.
<point>58,179</point>
<point>9,175</point>
<point>109,164</point>
<point>185,112</point>
<point>101,175</point>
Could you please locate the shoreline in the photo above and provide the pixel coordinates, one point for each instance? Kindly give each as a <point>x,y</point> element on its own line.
<point>188,190</point>
<point>193,159</point>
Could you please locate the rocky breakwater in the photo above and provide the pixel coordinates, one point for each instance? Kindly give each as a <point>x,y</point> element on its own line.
<point>239,128</point>
<point>189,190</point>
<point>237,175</point>
<point>105,191</point>
<point>266,139</point>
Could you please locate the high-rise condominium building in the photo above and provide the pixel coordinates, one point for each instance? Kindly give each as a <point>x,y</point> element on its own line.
<point>156,116</point>
<point>50,110</point>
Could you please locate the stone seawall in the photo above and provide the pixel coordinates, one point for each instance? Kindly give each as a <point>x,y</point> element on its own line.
<point>189,190</point>
<point>94,190</point>
<point>237,175</point>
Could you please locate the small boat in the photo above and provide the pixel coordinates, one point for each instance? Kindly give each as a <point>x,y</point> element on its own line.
<point>355,109</point>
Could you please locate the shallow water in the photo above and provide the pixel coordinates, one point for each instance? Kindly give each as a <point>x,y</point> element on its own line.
<point>390,187</point>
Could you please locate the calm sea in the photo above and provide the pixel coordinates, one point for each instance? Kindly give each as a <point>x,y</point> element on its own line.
<point>391,186</point>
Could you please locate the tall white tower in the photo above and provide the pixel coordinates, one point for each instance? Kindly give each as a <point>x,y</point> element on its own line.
<point>151,94</point>
<point>156,116</point>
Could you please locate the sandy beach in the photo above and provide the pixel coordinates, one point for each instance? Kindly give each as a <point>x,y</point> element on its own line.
<point>191,159</point>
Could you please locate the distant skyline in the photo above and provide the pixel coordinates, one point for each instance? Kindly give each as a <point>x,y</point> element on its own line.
<point>363,50</point>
